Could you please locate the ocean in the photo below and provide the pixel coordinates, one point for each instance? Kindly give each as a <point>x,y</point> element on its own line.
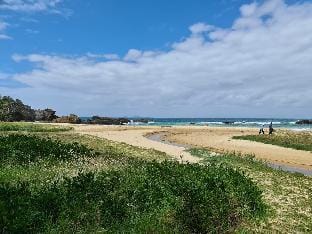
<point>218,122</point>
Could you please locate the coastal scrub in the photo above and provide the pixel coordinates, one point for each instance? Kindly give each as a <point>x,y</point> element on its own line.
<point>55,182</point>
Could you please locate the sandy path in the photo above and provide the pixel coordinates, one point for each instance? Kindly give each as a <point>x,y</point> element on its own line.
<point>136,137</point>
<point>217,138</point>
<point>220,139</point>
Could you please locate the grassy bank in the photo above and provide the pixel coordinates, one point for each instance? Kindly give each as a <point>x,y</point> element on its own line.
<point>31,127</point>
<point>53,182</point>
<point>288,195</point>
<point>295,140</point>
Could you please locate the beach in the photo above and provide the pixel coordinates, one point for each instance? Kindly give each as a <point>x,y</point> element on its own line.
<point>218,139</point>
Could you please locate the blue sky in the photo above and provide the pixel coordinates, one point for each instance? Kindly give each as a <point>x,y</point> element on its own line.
<point>110,26</point>
<point>117,44</point>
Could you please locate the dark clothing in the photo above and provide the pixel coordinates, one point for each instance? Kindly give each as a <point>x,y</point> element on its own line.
<point>271,128</point>
<point>261,131</point>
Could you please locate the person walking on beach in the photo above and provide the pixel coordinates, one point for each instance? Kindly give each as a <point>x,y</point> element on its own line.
<point>271,128</point>
<point>261,131</point>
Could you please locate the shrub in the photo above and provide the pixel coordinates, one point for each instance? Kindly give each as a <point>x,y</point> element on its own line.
<point>25,149</point>
<point>142,198</point>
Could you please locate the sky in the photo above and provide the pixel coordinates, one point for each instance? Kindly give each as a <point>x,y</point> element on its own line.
<point>178,58</point>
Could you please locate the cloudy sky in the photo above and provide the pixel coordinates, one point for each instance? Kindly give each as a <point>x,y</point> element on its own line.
<point>178,58</point>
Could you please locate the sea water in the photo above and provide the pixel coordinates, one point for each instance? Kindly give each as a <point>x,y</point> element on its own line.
<point>233,122</point>
<point>219,122</point>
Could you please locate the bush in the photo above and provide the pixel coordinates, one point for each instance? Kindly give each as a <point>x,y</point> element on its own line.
<point>26,149</point>
<point>142,198</point>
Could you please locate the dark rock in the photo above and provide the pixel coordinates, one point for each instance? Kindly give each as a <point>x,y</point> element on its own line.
<point>304,121</point>
<point>228,122</point>
<point>73,119</point>
<point>108,120</point>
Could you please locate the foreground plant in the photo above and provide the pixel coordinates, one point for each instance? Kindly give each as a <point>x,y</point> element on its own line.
<point>143,197</point>
<point>27,149</point>
<point>287,194</point>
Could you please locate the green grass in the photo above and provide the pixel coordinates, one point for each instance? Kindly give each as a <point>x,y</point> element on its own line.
<point>28,149</point>
<point>295,140</point>
<point>144,197</point>
<point>288,195</point>
<point>31,127</point>
<point>61,182</point>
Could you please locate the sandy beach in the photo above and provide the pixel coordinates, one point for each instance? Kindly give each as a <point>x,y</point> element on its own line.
<point>218,139</point>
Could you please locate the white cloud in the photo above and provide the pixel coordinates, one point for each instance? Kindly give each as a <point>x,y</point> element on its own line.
<point>248,9</point>
<point>104,56</point>
<point>200,28</point>
<point>261,66</point>
<point>34,6</point>
<point>3,26</point>
<point>133,55</point>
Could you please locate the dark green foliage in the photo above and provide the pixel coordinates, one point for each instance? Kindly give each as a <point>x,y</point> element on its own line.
<point>45,115</point>
<point>134,196</point>
<point>142,198</point>
<point>26,149</point>
<point>288,195</point>
<point>15,110</point>
<point>300,141</point>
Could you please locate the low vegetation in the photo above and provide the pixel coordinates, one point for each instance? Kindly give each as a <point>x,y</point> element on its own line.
<point>58,181</point>
<point>287,194</point>
<point>295,140</point>
<point>15,110</point>
<point>20,149</point>
<point>143,197</point>
<point>30,127</point>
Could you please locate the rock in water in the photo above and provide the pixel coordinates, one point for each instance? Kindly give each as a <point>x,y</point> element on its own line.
<point>108,120</point>
<point>304,121</point>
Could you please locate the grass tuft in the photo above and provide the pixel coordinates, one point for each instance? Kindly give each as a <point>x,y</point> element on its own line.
<point>294,140</point>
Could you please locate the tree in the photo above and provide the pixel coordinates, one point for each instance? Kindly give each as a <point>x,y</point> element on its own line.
<point>15,110</point>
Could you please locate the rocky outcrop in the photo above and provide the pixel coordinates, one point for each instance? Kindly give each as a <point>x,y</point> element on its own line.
<point>304,121</point>
<point>45,115</point>
<point>107,121</point>
<point>72,118</point>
